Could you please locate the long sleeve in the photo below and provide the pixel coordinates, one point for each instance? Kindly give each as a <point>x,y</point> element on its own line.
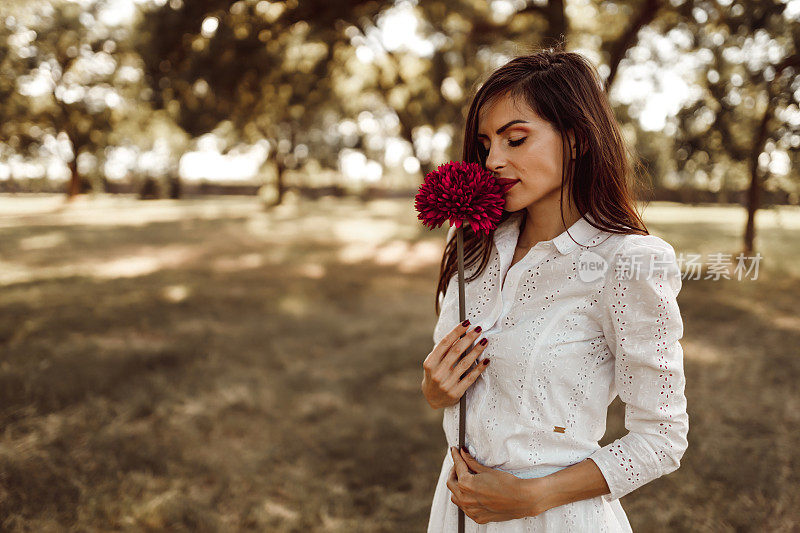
<point>642,325</point>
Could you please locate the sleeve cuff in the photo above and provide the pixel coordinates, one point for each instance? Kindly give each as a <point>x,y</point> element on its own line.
<point>608,466</point>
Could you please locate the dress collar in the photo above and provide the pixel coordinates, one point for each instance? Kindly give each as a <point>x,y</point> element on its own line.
<point>582,231</point>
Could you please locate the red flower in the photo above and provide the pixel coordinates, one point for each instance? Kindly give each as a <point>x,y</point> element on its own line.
<point>462,192</point>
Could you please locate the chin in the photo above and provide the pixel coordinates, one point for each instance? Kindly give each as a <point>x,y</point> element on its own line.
<point>513,205</point>
<point>510,207</point>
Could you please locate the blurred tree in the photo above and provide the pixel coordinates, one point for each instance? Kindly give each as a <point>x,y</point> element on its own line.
<point>279,71</point>
<point>272,69</point>
<point>625,36</point>
<point>62,74</point>
<point>745,121</point>
<point>468,40</point>
<point>748,113</point>
<point>262,66</point>
<point>429,92</point>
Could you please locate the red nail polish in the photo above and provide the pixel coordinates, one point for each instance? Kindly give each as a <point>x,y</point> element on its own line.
<point>465,323</point>
<point>486,361</point>
<point>484,341</point>
<point>478,329</point>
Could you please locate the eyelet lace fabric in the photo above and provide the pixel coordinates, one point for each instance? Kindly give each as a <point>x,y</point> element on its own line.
<point>565,338</point>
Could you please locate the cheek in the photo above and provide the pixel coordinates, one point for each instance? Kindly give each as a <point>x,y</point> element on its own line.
<point>541,171</point>
<point>550,167</point>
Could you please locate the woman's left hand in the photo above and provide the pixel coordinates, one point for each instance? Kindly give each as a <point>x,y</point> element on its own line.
<point>486,494</point>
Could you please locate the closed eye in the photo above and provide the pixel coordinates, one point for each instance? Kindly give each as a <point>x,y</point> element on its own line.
<point>511,143</point>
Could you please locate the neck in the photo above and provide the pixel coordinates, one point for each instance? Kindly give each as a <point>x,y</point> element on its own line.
<point>542,222</point>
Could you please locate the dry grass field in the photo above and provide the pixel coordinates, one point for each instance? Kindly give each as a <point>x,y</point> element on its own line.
<point>207,365</point>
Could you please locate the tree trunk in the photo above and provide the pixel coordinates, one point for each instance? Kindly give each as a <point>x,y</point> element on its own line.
<point>279,183</point>
<point>754,193</point>
<point>426,168</point>
<point>557,25</point>
<point>618,49</point>
<point>74,187</point>
<point>753,198</point>
<point>175,188</point>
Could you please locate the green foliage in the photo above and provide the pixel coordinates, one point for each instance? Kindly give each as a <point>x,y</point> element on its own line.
<point>292,72</point>
<point>64,78</point>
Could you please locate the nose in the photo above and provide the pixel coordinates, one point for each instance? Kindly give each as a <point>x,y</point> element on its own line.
<point>494,160</point>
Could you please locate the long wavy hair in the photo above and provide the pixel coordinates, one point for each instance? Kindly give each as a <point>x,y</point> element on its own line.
<point>565,89</point>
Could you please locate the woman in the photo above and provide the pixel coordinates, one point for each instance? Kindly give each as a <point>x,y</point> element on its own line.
<point>572,301</point>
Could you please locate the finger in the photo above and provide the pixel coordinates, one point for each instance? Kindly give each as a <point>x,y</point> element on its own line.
<point>445,368</point>
<point>470,378</point>
<point>440,350</point>
<point>452,485</point>
<point>459,347</point>
<point>473,463</point>
<point>452,481</point>
<point>465,364</point>
<point>471,471</point>
<point>462,470</point>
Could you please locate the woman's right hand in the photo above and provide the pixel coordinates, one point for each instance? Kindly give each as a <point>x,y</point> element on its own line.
<point>445,381</point>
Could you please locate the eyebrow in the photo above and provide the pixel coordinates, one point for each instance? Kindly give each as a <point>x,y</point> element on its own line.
<point>503,128</point>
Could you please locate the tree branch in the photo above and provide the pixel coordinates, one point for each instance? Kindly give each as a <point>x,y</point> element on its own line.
<point>620,47</point>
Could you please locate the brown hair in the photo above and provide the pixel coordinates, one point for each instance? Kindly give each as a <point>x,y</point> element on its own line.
<point>565,89</point>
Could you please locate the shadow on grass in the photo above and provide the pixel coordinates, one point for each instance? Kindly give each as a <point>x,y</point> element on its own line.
<point>265,398</point>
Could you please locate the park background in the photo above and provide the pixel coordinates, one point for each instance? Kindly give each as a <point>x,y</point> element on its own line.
<point>215,296</point>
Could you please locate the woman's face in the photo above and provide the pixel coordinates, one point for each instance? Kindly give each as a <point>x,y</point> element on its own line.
<point>529,150</point>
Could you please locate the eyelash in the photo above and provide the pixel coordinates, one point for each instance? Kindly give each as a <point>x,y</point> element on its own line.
<point>511,143</point>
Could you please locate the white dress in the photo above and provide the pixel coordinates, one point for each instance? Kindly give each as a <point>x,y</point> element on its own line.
<point>565,337</point>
